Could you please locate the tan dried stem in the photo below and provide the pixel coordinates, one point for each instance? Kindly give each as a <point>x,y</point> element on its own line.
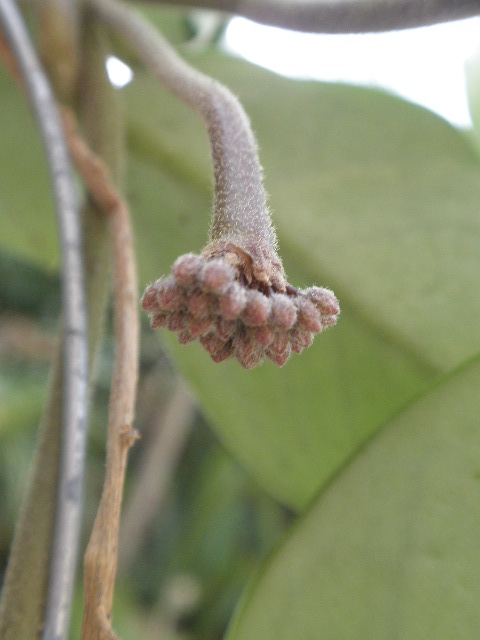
<point>100,563</point>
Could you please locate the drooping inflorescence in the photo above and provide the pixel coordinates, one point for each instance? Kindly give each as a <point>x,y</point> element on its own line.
<point>233,297</point>
<point>216,300</point>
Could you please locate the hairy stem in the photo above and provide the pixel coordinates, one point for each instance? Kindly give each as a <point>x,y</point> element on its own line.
<point>240,209</point>
<point>343,16</point>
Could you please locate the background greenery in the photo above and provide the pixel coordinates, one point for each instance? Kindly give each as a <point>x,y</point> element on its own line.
<point>343,488</point>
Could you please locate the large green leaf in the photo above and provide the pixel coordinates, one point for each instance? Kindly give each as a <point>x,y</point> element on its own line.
<point>472,74</point>
<point>292,427</point>
<point>372,196</point>
<point>390,549</point>
<point>289,427</point>
<point>381,198</point>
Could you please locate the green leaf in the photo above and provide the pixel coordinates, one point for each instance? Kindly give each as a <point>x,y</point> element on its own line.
<point>379,197</point>
<point>21,400</point>
<point>390,548</point>
<point>172,22</point>
<point>292,427</point>
<point>26,206</point>
<point>472,76</point>
<point>26,289</point>
<point>373,197</point>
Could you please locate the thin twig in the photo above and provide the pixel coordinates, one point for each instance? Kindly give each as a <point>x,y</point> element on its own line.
<point>75,345</point>
<point>101,556</point>
<point>342,16</point>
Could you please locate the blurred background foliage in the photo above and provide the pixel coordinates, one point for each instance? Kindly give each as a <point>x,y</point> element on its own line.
<point>373,197</point>
<point>193,552</point>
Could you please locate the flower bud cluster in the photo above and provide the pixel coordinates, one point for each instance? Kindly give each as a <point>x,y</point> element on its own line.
<point>210,299</point>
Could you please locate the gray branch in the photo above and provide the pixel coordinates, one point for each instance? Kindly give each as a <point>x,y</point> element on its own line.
<point>75,347</point>
<point>342,16</point>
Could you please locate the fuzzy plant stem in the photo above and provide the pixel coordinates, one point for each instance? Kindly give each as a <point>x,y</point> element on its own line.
<point>240,200</point>
<point>343,16</point>
<point>75,346</point>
